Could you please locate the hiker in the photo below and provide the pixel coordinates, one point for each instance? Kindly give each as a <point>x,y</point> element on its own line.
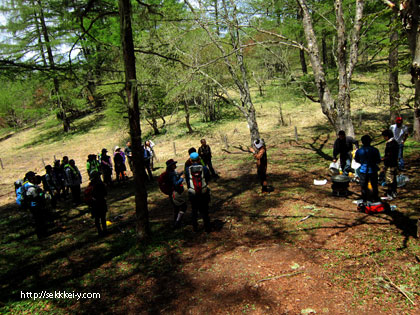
<point>129,154</point>
<point>260,154</point>
<point>92,164</point>
<point>34,199</point>
<point>51,185</point>
<point>106,167</point>
<point>197,176</point>
<point>60,175</point>
<point>177,197</point>
<point>97,202</point>
<point>390,164</point>
<point>119,163</point>
<point>64,162</point>
<point>205,153</point>
<point>369,158</point>
<point>188,162</point>
<point>147,156</point>
<point>149,146</point>
<point>74,179</point>
<point>400,134</point>
<point>343,146</point>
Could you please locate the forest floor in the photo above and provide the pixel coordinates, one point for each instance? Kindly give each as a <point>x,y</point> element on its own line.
<point>261,257</point>
<point>298,250</point>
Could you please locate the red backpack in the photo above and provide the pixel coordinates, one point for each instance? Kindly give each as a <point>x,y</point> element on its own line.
<point>88,195</point>
<point>164,184</point>
<point>197,185</point>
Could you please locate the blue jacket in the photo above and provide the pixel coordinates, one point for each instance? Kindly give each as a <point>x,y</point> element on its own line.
<point>369,158</point>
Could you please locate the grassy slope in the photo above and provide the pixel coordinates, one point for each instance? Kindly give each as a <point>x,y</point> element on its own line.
<point>127,273</point>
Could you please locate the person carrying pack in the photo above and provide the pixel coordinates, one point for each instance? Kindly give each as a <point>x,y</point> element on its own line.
<point>21,186</point>
<point>147,155</point>
<point>106,167</point>
<point>197,177</point>
<point>171,182</point>
<point>74,179</point>
<point>34,200</point>
<point>92,164</point>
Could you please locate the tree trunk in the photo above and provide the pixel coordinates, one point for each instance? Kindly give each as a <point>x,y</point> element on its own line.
<point>414,42</point>
<point>324,50</point>
<point>142,212</point>
<point>58,100</point>
<point>187,115</point>
<point>303,61</point>
<point>394,91</point>
<point>338,112</point>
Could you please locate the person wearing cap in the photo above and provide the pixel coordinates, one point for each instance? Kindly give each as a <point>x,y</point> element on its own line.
<point>205,153</point>
<point>177,197</point>
<point>189,162</point>
<point>343,146</point>
<point>197,177</point>
<point>400,133</point>
<point>92,164</point>
<point>148,145</point>
<point>260,154</point>
<point>369,158</point>
<point>119,163</point>
<point>74,179</point>
<point>390,164</point>
<point>35,201</point>
<point>106,167</point>
<point>51,185</point>
<point>128,151</point>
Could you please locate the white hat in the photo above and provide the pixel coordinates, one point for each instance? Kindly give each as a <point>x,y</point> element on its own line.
<point>116,148</point>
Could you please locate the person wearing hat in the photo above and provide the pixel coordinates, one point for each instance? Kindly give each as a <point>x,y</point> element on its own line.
<point>51,185</point>
<point>119,162</point>
<point>92,164</point>
<point>400,133</point>
<point>197,176</point>
<point>205,153</point>
<point>260,154</point>
<point>35,201</point>
<point>369,158</point>
<point>74,180</point>
<point>106,167</point>
<point>177,197</point>
<point>128,151</point>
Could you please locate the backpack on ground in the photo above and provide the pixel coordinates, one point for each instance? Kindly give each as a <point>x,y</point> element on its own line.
<point>197,182</point>
<point>370,208</point>
<point>164,184</point>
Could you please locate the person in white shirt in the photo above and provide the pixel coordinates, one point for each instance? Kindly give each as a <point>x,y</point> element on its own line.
<point>400,132</point>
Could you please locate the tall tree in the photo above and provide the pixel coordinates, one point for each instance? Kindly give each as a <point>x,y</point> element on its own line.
<point>409,11</point>
<point>337,110</point>
<point>394,90</point>
<point>142,212</point>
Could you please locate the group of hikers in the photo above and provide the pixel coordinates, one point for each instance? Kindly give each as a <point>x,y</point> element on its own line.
<point>368,158</point>
<point>65,177</point>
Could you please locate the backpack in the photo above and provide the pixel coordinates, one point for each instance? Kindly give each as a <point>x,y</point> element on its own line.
<point>164,184</point>
<point>371,208</point>
<point>197,182</point>
<point>88,195</point>
<point>20,189</point>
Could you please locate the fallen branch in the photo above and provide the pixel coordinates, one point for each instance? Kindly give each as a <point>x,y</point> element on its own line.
<point>277,277</point>
<point>392,283</point>
<point>307,217</point>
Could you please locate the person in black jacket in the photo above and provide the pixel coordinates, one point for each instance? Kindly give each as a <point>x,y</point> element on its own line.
<point>98,202</point>
<point>390,164</point>
<point>343,146</point>
<point>205,153</point>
